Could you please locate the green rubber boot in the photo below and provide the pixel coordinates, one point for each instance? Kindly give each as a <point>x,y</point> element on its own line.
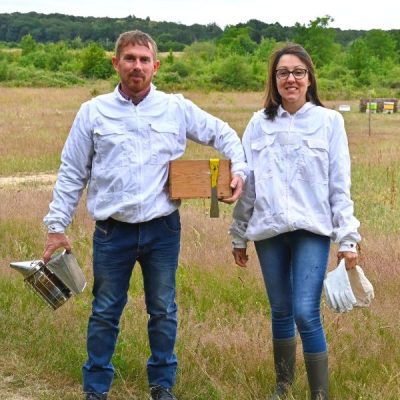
<point>284,360</point>
<point>317,374</point>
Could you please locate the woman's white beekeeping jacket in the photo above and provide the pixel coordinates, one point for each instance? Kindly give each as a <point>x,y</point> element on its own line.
<point>299,178</point>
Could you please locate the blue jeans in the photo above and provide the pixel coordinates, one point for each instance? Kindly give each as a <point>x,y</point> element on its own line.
<point>116,247</point>
<point>293,265</point>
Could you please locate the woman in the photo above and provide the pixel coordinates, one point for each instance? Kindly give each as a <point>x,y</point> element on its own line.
<point>297,198</point>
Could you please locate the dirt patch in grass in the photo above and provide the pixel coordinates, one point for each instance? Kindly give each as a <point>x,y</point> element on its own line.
<point>38,179</point>
<point>12,388</point>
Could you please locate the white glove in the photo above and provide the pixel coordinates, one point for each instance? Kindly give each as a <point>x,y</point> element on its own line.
<point>361,286</point>
<point>338,292</point>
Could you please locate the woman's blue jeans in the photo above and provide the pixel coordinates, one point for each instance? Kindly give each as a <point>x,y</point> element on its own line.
<point>293,265</point>
<point>116,247</point>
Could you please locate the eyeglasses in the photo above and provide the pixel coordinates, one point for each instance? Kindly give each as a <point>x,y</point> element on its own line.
<point>298,73</point>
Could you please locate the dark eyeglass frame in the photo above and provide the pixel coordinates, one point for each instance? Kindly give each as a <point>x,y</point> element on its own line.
<point>284,73</point>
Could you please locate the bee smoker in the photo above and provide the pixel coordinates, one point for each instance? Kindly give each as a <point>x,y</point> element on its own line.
<point>56,281</point>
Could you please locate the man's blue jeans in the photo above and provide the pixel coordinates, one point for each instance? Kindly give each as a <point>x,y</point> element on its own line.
<point>293,265</point>
<point>116,247</point>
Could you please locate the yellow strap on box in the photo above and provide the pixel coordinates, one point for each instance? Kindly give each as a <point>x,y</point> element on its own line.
<point>214,171</point>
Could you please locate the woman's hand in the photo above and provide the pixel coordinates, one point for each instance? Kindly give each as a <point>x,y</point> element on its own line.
<point>350,258</point>
<point>240,256</point>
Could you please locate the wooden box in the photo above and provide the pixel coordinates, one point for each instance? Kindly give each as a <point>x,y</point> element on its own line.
<point>190,179</point>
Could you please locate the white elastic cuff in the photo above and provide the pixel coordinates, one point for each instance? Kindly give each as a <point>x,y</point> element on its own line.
<point>239,243</point>
<point>55,228</point>
<point>348,246</point>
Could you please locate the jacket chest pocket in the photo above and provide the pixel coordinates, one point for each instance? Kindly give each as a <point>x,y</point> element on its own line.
<point>165,141</point>
<point>264,156</point>
<point>313,163</point>
<point>111,145</point>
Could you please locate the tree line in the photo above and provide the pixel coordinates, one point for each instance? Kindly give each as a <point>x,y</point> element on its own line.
<point>45,28</point>
<point>77,31</point>
<point>235,59</point>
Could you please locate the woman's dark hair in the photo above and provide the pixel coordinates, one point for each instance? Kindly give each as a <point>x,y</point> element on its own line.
<point>272,97</point>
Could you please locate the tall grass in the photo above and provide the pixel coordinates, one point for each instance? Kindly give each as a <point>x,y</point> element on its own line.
<point>34,124</point>
<point>224,340</point>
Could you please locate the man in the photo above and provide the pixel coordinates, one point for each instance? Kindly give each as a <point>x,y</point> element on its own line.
<point>120,144</point>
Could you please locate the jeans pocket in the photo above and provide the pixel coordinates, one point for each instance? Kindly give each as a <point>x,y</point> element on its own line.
<point>173,222</point>
<point>103,230</point>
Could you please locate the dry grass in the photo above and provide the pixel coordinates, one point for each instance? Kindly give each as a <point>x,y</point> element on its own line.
<point>224,332</point>
<point>34,124</point>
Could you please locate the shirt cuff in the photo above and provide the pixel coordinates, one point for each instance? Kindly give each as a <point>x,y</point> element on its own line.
<point>241,174</point>
<point>241,169</point>
<point>55,228</point>
<point>238,243</point>
<point>348,245</point>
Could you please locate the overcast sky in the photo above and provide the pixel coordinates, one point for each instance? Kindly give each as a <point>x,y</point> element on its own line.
<point>347,14</point>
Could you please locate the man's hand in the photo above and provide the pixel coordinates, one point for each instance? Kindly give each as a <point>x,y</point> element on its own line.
<point>55,241</point>
<point>237,187</point>
<point>240,256</point>
<point>350,258</point>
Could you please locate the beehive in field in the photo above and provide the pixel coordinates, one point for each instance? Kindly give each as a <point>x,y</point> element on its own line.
<point>383,105</point>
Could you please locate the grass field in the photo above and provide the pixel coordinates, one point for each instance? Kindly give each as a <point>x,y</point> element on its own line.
<point>224,342</point>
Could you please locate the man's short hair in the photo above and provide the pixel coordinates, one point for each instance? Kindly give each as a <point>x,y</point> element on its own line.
<point>135,37</point>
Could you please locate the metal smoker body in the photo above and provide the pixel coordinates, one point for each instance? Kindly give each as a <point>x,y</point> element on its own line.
<point>55,281</point>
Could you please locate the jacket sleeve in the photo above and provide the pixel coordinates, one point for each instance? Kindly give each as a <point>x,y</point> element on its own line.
<point>244,207</point>
<point>345,225</point>
<point>73,174</point>
<point>206,129</point>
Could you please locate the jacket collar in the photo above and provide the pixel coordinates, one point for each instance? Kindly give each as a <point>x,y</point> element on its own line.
<point>302,110</point>
<point>125,98</point>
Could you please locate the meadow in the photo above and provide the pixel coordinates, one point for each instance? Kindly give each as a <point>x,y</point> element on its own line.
<point>224,340</point>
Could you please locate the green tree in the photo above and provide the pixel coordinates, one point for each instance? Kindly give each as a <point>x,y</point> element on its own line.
<point>206,51</point>
<point>363,64</point>
<point>381,44</point>
<point>318,39</point>
<point>56,55</point>
<point>179,67</point>
<point>76,43</point>
<point>265,49</point>
<point>3,70</point>
<point>27,44</point>
<point>395,35</point>
<point>236,41</point>
<point>170,57</point>
<point>373,58</point>
<point>358,55</point>
<point>95,63</point>
<point>234,72</point>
